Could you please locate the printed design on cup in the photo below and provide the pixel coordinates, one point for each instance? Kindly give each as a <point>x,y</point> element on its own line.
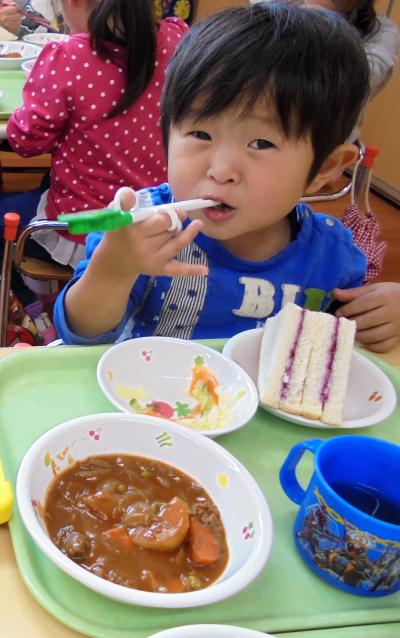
<point>357,558</point>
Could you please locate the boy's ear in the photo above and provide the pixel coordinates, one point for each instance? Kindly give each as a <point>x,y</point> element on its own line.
<point>333,166</point>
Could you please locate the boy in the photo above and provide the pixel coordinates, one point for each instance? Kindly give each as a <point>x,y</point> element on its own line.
<point>257,104</point>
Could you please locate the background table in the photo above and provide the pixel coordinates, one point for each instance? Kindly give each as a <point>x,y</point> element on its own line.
<point>22,617</point>
<point>11,83</point>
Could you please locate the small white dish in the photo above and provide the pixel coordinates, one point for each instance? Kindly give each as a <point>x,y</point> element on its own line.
<point>210,631</point>
<point>154,375</point>
<point>27,66</point>
<point>40,39</point>
<point>370,399</point>
<point>244,511</point>
<point>1,94</point>
<point>26,52</point>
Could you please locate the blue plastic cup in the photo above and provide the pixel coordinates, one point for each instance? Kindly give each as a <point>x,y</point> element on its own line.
<point>348,526</point>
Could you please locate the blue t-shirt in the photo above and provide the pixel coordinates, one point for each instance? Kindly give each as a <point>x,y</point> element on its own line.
<point>238,294</point>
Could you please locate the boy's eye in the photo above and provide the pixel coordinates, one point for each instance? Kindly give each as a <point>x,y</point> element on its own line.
<point>260,145</point>
<point>200,135</point>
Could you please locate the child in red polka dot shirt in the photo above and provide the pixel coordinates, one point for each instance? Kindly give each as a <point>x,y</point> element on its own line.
<point>93,103</point>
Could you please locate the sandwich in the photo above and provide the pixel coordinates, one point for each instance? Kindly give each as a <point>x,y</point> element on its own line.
<point>305,362</point>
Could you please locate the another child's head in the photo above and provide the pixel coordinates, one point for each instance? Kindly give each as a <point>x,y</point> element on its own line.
<point>118,22</point>
<point>258,103</point>
<point>361,13</point>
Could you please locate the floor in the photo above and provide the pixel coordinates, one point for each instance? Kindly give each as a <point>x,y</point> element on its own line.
<point>387,213</point>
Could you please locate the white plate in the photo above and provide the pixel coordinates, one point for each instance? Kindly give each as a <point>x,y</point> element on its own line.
<point>152,375</point>
<point>210,631</point>
<point>27,51</point>
<point>370,399</point>
<point>27,66</point>
<point>244,511</point>
<point>1,94</point>
<point>40,39</point>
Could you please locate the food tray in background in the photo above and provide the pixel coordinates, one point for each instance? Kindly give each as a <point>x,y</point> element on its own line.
<point>11,83</point>
<point>44,387</point>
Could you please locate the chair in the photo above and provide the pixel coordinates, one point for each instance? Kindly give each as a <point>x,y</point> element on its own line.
<point>36,268</point>
<point>327,196</point>
<point>14,257</point>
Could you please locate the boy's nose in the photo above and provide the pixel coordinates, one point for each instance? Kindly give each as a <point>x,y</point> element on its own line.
<point>224,169</point>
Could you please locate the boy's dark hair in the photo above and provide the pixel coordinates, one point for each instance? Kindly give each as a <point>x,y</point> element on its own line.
<point>129,24</point>
<point>309,62</point>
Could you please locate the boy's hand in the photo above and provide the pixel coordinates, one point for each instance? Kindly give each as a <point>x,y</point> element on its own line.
<point>97,302</point>
<point>376,311</point>
<point>10,16</point>
<point>148,247</point>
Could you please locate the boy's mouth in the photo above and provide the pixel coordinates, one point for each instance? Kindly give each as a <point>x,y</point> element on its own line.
<point>219,213</point>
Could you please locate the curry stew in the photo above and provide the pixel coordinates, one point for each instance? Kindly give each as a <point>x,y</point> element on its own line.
<point>11,54</point>
<point>137,522</point>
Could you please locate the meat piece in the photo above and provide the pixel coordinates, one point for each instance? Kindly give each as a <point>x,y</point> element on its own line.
<point>76,546</point>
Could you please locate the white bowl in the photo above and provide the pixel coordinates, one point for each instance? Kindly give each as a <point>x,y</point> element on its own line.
<point>27,66</point>
<point>157,372</point>
<point>40,39</point>
<point>27,51</point>
<point>232,488</point>
<point>210,631</point>
<point>370,397</point>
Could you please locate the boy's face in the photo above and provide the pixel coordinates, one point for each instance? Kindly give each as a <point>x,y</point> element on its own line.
<point>246,163</point>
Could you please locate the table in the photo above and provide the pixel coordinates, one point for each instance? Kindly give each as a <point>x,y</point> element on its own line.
<point>22,617</point>
<point>11,84</point>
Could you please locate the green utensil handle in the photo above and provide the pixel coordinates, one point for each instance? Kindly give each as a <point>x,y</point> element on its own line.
<point>95,220</point>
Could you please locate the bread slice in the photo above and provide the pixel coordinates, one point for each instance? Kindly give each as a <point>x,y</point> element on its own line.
<point>304,363</point>
<point>333,405</point>
<point>278,338</point>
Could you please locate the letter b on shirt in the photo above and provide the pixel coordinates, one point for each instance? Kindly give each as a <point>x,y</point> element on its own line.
<point>258,298</point>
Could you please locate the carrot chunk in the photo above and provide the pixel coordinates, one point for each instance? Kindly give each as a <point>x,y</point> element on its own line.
<point>120,536</point>
<point>204,545</point>
<point>174,585</point>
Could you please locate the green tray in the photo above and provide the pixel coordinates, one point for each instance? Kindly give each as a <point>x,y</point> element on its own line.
<point>11,83</point>
<point>41,388</point>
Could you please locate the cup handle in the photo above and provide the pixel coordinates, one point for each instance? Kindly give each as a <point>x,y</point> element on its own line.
<point>287,474</point>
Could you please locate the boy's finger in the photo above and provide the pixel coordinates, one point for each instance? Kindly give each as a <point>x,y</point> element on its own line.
<point>359,306</point>
<point>127,201</point>
<point>383,346</point>
<point>178,242</point>
<point>163,222</point>
<point>370,318</point>
<point>348,294</point>
<point>376,334</point>
<point>352,294</point>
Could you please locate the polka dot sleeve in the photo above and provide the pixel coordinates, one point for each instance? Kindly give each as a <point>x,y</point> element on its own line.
<point>36,126</point>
